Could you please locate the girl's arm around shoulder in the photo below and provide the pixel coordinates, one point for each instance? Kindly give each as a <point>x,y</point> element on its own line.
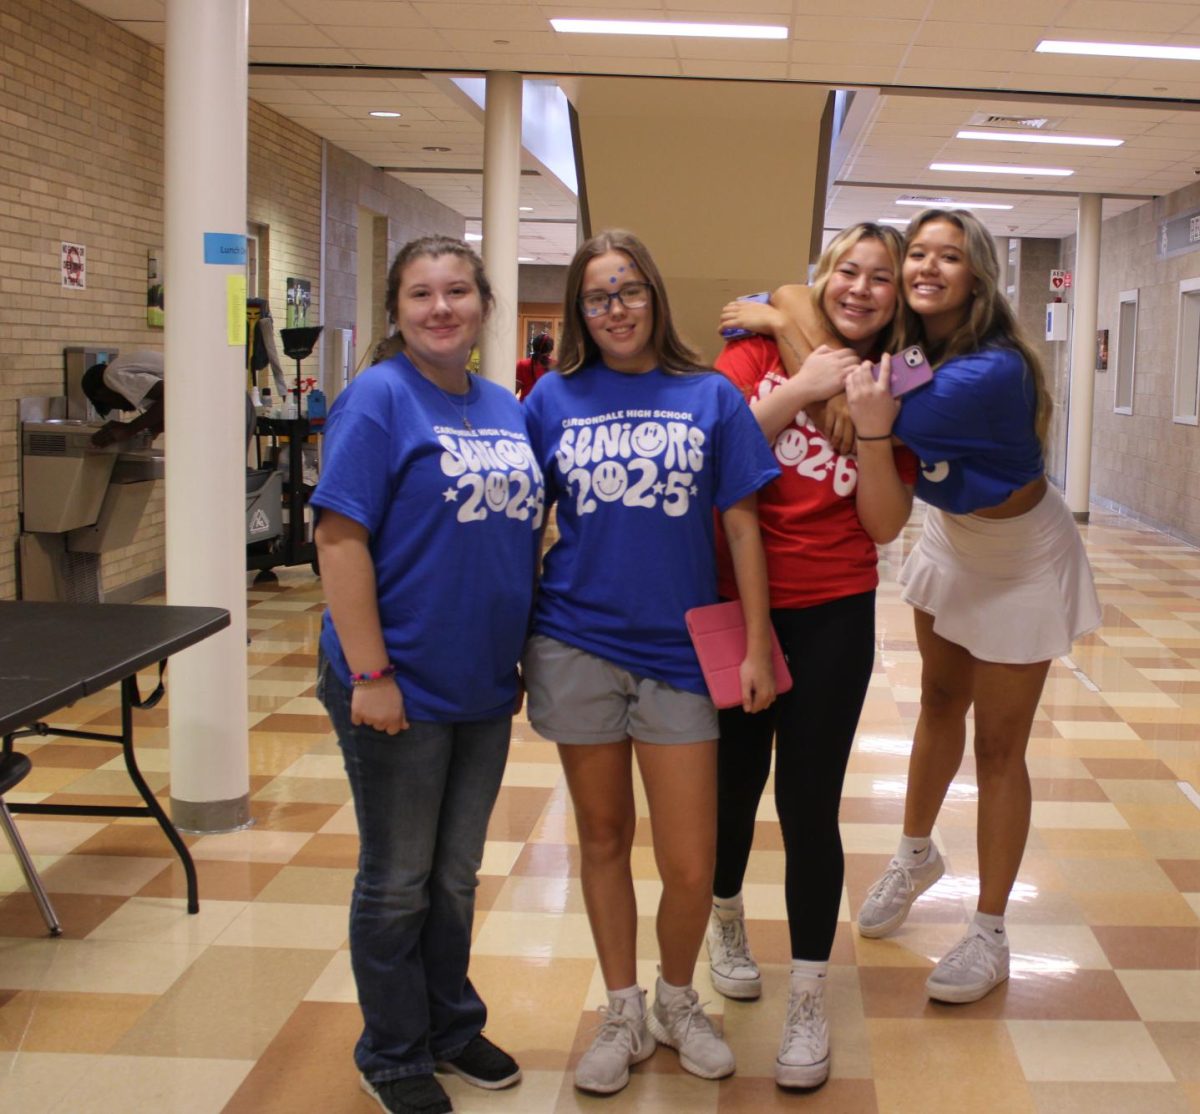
<point>757,671</point>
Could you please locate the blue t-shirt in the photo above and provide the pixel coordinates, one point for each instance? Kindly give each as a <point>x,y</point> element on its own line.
<point>972,427</point>
<point>637,462</point>
<point>453,515</point>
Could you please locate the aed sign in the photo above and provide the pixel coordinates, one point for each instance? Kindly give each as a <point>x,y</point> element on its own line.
<point>1059,281</point>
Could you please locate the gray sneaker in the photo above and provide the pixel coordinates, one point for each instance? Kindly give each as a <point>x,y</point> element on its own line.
<point>683,1025</point>
<point>889,900</point>
<point>969,970</point>
<point>803,1059</point>
<point>621,1041</point>
<point>731,966</point>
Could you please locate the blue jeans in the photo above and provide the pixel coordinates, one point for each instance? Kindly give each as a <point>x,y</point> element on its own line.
<point>423,799</point>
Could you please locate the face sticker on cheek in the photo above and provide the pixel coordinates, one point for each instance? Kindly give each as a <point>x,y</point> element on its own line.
<point>649,439</point>
<point>495,490</point>
<point>790,447</point>
<point>609,480</point>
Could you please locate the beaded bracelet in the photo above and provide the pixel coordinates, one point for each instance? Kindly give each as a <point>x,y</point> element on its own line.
<point>375,675</point>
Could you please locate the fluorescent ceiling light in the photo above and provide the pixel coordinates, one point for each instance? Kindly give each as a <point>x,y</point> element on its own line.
<point>983,168</point>
<point>526,259</point>
<point>656,27</point>
<point>472,237</point>
<point>1039,137</point>
<point>525,208</point>
<point>385,115</point>
<point>949,203</point>
<point>892,220</point>
<point>1120,50</point>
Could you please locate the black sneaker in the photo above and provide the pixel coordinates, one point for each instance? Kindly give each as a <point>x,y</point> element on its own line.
<point>414,1094</point>
<point>484,1065</point>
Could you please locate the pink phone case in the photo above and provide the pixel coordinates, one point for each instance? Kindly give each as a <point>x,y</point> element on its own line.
<point>910,370</point>
<point>718,632</point>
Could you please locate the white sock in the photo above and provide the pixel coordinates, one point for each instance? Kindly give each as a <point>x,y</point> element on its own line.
<point>728,908</point>
<point>991,927</point>
<point>913,850</point>
<point>629,1001</point>
<point>809,971</point>
<point>668,993</point>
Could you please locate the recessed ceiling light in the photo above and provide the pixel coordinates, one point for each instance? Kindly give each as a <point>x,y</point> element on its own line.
<point>472,237</point>
<point>385,115</point>
<point>1039,137</point>
<point>948,203</point>
<point>1120,50</point>
<point>439,150</point>
<point>984,168</point>
<point>657,27</point>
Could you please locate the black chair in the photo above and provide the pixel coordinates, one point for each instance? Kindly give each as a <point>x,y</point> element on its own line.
<point>13,768</point>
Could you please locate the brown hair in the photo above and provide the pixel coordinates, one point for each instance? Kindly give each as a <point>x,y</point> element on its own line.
<point>990,321</point>
<point>576,347</point>
<point>434,246</point>
<point>836,249</point>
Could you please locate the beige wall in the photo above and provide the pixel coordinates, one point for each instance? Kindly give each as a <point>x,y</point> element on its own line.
<point>718,178</point>
<point>81,134</point>
<point>1145,463</point>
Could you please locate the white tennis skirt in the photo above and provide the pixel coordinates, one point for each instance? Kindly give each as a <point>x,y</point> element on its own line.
<point>1012,590</point>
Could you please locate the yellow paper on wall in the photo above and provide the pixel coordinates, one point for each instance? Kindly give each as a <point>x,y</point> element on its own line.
<point>235,309</point>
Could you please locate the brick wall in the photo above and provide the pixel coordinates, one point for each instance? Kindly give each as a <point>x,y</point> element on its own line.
<point>80,160</point>
<point>81,134</point>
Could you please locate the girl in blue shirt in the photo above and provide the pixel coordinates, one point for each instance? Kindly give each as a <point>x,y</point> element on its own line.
<point>430,504</point>
<point>638,446</point>
<point>999,581</point>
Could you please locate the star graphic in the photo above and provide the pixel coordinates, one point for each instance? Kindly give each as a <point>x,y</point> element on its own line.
<point>450,495</point>
<point>531,502</point>
<point>659,488</point>
<point>694,489</point>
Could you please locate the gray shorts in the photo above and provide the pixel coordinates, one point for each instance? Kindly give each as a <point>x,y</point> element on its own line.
<point>575,697</point>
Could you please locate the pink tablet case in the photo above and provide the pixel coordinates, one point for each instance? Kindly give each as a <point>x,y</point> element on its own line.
<point>719,634</point>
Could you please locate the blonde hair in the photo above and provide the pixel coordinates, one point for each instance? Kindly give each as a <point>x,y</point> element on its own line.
<point>990,321</point>
<point>576,346</point>
<point>835,250</point>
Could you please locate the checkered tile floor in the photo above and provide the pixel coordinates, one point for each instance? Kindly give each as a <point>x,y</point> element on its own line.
<point>249,1008</point>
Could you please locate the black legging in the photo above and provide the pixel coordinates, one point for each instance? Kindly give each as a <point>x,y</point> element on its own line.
<point>830,650</point>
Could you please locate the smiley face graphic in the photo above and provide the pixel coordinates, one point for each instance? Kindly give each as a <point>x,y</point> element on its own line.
<point>510,452</point>
<point>649,439</point>
<point>609,480</point>
<point>790,447</point>
<point>495,490</point>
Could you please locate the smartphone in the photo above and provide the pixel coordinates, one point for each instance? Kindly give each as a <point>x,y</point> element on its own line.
<point>733,333</point>
<point>910,370</point>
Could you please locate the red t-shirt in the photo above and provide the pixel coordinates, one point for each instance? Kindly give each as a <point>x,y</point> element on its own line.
<point>817,550</point>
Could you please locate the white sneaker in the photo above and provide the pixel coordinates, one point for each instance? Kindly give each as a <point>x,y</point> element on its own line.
<point>621,1041</point>
<point>682,1024</point>
<point>974,966</point>
<point>889,900</point>
<point>803,1059</point>
<point>731,966</point>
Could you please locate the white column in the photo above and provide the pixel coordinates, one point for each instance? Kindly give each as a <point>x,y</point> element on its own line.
<point>205,133</point>
<point>501,193</point>
<point>1083,355</point>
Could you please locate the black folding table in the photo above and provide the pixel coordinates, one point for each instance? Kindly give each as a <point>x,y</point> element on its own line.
<point>51,654</point>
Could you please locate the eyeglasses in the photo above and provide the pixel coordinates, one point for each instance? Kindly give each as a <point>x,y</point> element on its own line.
<point>633,295</point>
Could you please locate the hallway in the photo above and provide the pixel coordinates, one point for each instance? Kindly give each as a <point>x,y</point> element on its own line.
<point>249,1007</point>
